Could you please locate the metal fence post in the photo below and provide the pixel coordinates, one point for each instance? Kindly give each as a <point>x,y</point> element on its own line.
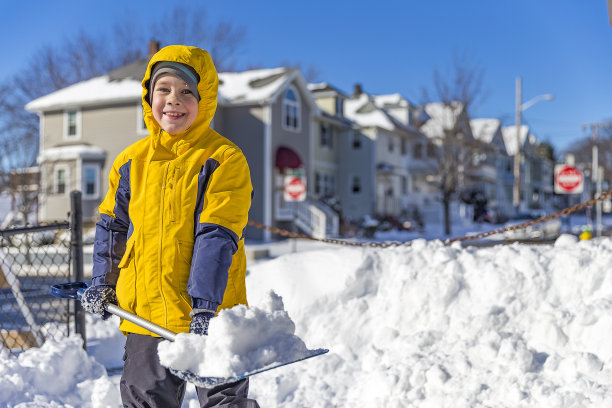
<point>76,248</point>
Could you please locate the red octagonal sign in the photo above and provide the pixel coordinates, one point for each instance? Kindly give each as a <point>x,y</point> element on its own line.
<point>295,189</point>
<point>568,180</point>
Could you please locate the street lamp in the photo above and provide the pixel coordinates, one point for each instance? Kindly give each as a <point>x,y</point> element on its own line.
<point>520,107</point>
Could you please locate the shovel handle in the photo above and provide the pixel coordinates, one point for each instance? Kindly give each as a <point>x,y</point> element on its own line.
<point>144,323</point>
<point>74,290</point>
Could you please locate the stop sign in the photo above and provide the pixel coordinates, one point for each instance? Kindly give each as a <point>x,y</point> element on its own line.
<point>568,180</point>
<point>295,189</point>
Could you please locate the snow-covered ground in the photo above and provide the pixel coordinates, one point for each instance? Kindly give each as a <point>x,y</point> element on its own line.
<point>426,325</point>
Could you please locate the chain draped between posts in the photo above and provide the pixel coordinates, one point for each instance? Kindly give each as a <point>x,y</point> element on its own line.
<point>385,244</point>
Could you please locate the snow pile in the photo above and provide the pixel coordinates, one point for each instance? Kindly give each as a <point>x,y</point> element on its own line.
<point>433,325</point>
<point>426,325</point>
<point>240,340</point>
<point>56,373</point>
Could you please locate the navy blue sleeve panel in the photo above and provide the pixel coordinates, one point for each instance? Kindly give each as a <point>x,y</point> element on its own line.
<point>112,232</point>
<point>212,257</point>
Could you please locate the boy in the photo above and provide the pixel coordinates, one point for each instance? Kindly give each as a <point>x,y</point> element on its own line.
<point>169,244</point>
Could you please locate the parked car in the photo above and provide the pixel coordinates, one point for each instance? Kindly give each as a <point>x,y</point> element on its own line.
<point>549,229</point>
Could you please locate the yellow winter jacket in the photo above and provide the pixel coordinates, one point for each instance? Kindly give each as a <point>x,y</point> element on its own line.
<point>170,236</point>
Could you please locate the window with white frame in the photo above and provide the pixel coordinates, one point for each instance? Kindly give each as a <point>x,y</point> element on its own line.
<point>141,126</point>
<point>72,124</point>
<point>327,135</point>
<point>291,110</point>
<point>91,181</point>
<point>60,179</point>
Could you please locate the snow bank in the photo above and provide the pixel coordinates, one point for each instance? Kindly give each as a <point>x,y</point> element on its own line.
<point>54,375</point>
<point>433,325</point>
<point>240,340</point>
<point>427,325</point>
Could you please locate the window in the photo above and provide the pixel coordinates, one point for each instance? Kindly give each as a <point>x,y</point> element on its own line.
<point>356,185</point>
<point>418,151</point>
<point>72,124</point>
<point>327,135</point>
<point>339,107</point>
<point>291,110</point>
<point>356,141</point>
<point>61,180</point>
<point>318,183</point>
<point>391,146</point>
<point>431,150</point>
<point>91,184</point>
<point>141,127</point>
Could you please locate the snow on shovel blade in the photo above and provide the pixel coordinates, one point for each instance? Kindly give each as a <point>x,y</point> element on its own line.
<point>74,290</point>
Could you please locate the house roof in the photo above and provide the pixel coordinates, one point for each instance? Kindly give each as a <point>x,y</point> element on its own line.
<point>96,91</point>
<point>363,111</point>
<point>124,85</point>
<point>441,117</point>
<point>509,135</point>
<point>324,88</point>
<point>485,129</point>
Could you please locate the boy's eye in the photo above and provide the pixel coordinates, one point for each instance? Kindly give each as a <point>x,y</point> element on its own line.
<point>187,91</point>
<point>163,90</point>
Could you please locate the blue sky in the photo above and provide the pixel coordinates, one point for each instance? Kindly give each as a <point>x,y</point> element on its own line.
<point>563,47</point>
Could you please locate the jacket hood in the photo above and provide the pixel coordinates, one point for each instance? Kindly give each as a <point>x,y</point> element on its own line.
<point>208,86</point>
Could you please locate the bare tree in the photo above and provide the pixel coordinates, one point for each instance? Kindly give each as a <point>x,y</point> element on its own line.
<point>86,55</point>
<point>457,90</point>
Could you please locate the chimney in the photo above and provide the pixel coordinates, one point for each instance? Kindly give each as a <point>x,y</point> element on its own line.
<point>153,47</point>
<point>357,90</point>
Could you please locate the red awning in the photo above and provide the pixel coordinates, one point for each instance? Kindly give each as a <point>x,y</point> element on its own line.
<point>287,158</point>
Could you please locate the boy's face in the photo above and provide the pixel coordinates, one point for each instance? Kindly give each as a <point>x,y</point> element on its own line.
<point>174,106</point>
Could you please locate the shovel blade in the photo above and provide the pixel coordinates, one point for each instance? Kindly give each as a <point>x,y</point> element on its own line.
<point>208,382</point>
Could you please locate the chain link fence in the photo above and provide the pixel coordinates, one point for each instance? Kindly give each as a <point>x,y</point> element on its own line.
<point>31,260</point>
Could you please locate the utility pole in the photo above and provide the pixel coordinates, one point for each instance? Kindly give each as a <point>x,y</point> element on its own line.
<point>516,187</point>
<point>596,174</point>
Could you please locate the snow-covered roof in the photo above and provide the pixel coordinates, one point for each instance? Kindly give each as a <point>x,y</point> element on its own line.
<point>255,86</point>
<point>72,152</point>
<point>248,87</point>
<point>94,91</point>
<point>393,100</point>
<point>324,88</point>
<point>441,117</point>
<point>509,135</point>
<point>364,112</point>
<point>484,129</point>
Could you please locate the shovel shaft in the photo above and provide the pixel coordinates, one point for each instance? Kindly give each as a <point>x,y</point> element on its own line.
<point>152,327</point>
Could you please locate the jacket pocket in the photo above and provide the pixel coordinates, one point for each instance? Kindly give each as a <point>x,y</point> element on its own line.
<point>128,255</point>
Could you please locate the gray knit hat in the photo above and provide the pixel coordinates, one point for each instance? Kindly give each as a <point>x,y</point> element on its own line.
<point>185,72</point>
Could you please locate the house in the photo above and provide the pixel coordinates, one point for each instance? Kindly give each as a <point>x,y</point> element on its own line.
<point>345,163</point>
<point>420,157</point>
<point>268,113</point>
<point>386,150</point>
<point>493,166</point>
<point>447,126</point>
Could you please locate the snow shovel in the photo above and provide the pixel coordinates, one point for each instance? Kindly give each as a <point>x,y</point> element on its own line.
<point>74,290</point>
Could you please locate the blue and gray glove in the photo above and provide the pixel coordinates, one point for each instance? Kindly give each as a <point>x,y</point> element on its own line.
<point>94,299</point>
<point>199,321</point>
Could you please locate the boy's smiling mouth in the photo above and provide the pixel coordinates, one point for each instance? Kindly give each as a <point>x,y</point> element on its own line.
<point>174,115</point>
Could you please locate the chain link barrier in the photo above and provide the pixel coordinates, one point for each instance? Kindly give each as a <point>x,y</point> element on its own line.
<point>32,259</point>
<point>386,244</point>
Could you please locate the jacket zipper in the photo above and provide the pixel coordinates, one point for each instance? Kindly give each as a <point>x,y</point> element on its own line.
<point>161,228</point>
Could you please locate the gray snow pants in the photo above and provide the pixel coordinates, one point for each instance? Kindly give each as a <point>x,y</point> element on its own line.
<point>146,383</point>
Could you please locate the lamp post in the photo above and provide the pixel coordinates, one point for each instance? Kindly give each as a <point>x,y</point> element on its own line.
<point>520,107</point>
